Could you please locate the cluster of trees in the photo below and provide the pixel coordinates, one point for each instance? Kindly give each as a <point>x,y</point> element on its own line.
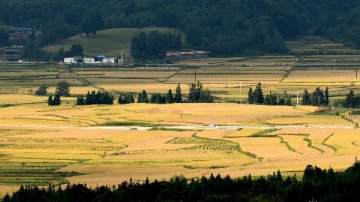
<point>222,27</point>
<point>257,97</point>
<point>153,45</point>
<point>62,89</point>
<point>42,90</point>
<point>126,99</point>
<point>352,100</point>
<point>316,185</point>
<point>158,98</point>
<point>199,94</point>
<point>96,98</point>
<point>318,98</point>
<point>54,102</point>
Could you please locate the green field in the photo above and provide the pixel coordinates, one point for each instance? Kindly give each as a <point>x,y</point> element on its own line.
<point>112,42</point>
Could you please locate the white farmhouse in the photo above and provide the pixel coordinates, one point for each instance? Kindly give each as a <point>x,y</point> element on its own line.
<point>108,60</point>
<point>71,60</point>
<point>88,60</point>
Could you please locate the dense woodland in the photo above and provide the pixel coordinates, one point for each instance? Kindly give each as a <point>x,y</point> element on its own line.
<point>224,27</point>
<point>316,185</point>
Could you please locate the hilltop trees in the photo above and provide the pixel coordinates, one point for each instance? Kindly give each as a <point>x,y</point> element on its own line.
<point>153,45</point>
<point>92,23</point>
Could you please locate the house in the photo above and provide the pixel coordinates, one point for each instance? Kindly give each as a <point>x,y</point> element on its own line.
<point>88,60</point>
<point>21,34</point>
<point>70,60</point>
<point>108,60</point>
<point>175,55</point>
<point>12,53</point>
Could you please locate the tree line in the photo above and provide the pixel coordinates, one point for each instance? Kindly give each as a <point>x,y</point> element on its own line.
<point>256,96</point>
<point>316,185</point>
<point>198,94</point>
<point>222,27</point>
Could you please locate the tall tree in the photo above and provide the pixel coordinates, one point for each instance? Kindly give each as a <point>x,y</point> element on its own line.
<point>178,95</point>
<point>169,97</point>
<point>258,95</point>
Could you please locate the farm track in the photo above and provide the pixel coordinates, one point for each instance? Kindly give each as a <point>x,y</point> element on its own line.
<point>180,127</point>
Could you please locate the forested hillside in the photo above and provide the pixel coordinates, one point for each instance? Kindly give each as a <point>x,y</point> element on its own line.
<point>225,27</point>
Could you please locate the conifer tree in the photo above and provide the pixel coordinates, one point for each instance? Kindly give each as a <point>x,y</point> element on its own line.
<point>178,95</point>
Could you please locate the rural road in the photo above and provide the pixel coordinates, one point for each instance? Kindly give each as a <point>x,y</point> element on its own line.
<point>210,127</point>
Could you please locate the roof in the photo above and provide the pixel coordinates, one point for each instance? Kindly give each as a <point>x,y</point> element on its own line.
<point>184,53</point>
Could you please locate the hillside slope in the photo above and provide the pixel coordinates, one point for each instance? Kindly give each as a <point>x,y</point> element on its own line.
<point>110,42</point>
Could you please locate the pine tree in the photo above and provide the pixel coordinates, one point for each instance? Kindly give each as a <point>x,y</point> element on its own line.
<point>50,100</point>
<point>57,100</point>
<point>306,98</point>
<point>139,98</point>
<point>178,95</point>
<point>267,99</point>
<point>88,100</point>
<point>258,95</point>
<point>350,100</point>
<point>144,97</point>
<point>327,96</point>
<point>250,96</point>
<point>169,97</point>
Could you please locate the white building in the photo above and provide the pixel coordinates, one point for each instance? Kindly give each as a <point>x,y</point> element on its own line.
<point>88,60</point>
<point>109,60</point>
<point>71,60</point>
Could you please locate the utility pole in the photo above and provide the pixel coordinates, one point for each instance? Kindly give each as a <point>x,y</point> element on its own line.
<point>195,77</point>
<point>332,107</point>
<point>356,72</point>
<point>240,91</point>
<point>334,64</point>
<point>226,81</point>
<point>297,99</point>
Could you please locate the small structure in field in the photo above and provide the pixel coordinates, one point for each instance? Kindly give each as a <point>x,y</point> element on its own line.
<point>176,55</point>
<point>108,60</point>
<point>12,53</point>
<point>88,60</point>
<point>21,34</point>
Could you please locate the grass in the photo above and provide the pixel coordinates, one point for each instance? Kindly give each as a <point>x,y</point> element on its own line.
<point>112,42</point>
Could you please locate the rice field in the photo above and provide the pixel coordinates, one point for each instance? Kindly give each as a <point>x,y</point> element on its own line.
<point>105,145</point>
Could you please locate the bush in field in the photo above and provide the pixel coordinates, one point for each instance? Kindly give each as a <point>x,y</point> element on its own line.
<point>63,88</point>
<point>42,90</point>
<point>54,102</point>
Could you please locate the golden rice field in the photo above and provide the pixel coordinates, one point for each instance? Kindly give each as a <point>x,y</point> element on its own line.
<point>104,145</point>
<point>81,144</point>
